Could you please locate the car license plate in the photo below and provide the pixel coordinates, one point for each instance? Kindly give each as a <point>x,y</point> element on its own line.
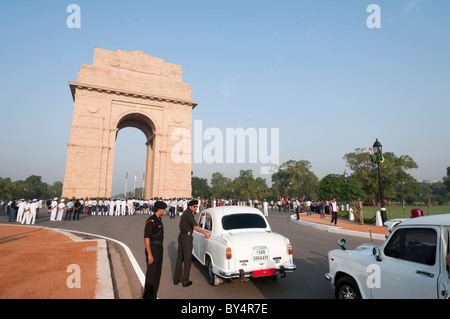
<point>264,272</point>
<point>260,254</point>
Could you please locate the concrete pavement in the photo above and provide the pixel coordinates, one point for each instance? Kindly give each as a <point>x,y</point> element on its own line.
<point>115,281</point>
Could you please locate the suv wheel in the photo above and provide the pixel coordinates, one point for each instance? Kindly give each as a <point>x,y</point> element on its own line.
<point>347,288</point>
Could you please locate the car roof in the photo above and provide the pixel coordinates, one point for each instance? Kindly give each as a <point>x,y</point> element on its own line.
<point>229,210</point>
<point>441,220</point>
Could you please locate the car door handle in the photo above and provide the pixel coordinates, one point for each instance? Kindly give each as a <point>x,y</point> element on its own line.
<point>426,273</point>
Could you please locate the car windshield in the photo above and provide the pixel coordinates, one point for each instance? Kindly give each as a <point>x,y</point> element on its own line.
<point>239,221</point>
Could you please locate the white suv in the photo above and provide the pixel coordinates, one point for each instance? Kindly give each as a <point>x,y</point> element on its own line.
<point>411,263</point>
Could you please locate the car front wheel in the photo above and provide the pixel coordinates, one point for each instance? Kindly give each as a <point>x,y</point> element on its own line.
<point>347,288</point>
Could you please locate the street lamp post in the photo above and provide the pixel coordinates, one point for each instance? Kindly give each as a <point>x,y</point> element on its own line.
<point>377,150</point>
<point>346,185</point>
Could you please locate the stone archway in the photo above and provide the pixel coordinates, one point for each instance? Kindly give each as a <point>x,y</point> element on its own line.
<point>146,126</point>
<point>127,89</point>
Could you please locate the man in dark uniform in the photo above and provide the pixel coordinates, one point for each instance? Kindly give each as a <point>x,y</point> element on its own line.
<point>153,239</point>
<point>187,226</point>
<point>77,210</point>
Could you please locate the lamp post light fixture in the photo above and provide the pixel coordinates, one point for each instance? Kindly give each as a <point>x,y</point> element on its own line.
<point>377,150</point>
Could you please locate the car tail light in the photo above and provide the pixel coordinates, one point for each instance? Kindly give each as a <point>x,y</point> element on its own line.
<point>228,253</point>
<point>289,247</point>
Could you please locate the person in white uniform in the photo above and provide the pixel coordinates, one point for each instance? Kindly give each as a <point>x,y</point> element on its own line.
<point>54,208</point>
<point>21,210</point>
<point>123,207</point>
<point>130,206</point>
<point>34,209</point>
<point>265,206</point>
<point>112,206</point>
<point>117,208</point>
<point>26,213</point>
<point>61,207</point>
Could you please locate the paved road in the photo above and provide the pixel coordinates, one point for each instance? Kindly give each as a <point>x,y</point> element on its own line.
<point>310,255</point>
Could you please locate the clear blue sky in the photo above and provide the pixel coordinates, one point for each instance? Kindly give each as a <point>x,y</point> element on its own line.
<point>313,69</point>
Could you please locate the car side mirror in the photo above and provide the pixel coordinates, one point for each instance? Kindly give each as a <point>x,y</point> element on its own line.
<point>341,243</point>
<point>376,253</point>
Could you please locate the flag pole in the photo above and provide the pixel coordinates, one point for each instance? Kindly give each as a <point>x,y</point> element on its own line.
<point>126,181</point>
<point>143,181</point>
<point>134,191</point>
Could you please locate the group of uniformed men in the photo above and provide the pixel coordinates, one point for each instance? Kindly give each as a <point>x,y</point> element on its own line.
<point>112,207</point>
<point>27,211</point>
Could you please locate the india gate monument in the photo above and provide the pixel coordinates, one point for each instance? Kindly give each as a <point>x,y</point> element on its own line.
<point>127,89</point>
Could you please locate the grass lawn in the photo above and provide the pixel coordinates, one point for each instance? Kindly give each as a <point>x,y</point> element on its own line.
<point>396,212</point>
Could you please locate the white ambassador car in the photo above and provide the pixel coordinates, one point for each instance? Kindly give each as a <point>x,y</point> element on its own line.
<point>241,245</point>
<point>410,264</point>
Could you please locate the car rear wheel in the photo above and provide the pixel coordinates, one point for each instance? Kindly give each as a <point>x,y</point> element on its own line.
<point>347,288</point>
<point>213,279</point>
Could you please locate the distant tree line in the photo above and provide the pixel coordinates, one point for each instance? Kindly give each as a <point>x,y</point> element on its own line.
<point>31,188</point>
<point>296,179</point>
<point>291,179</point>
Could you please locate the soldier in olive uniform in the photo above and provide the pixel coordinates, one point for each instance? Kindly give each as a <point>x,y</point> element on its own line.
<point>187,226</point>
<point>153,239</point>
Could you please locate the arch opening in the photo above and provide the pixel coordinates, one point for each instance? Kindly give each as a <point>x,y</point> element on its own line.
<point>138,121</point>
<point>129,158</point>
<point>144,177</point>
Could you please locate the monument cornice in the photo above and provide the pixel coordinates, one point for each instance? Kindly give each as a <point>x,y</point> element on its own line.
<point>90,87</point>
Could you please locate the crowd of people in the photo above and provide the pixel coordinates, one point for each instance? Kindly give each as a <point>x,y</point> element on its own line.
<point>27,211</point>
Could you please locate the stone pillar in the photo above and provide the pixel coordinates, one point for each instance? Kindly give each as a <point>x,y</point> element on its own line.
<point>149,176</point>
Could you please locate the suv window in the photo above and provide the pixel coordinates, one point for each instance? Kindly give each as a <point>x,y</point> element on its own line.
<point>448,252</point>
<point>413,244</point>
<point>239,221</point>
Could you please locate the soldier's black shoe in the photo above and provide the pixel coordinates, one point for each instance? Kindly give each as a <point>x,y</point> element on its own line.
<point>187,284</point>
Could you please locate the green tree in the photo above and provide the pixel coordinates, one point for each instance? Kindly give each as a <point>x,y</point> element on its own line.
<point>394,174</point>
<point>435,193</point>
<point>245,186</point>
<point>446,180</point>
<point>30,188</point>
<point>295,178</point>
<point>334,185</point>
<point>200,187</point>
<point>34,187</point>
<point>6,188</point>
<point>54,190</point>
<point>220,186</point>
